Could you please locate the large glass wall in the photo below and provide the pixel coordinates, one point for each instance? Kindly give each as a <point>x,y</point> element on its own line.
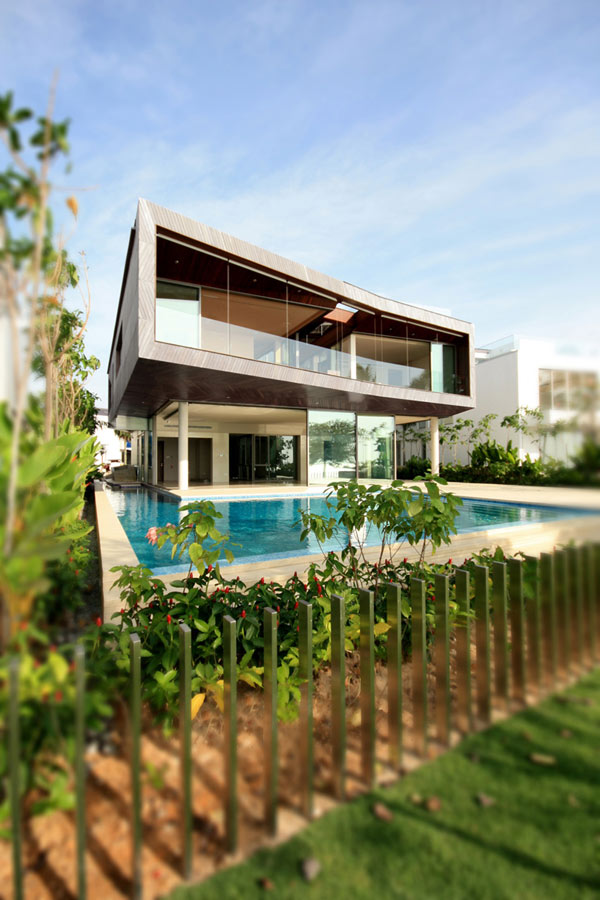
<point>219,305</point>
<point>177,314</point>
<point>375,446</point>
<point>331,446</point>
<point>263,457</point>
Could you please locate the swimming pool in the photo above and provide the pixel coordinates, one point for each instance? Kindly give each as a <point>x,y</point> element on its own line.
<point>265,527</point>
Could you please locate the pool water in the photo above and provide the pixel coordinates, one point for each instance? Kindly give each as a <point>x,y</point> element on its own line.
<point>265,529</point>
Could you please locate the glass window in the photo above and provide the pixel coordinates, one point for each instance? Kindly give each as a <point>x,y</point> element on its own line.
<point>214,321</point>
<point>375,447</point>
<point>545,381</point>
<point>449,369</point>
<point>177,314</point>
<point>331,446</point>
<point>559,389</point>
<point>419,361</point>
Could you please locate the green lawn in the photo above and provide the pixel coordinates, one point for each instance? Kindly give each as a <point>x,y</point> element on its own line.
<point>540,839</point>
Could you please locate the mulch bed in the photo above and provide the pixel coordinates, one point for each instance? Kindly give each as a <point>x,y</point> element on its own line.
<point>49,841</point>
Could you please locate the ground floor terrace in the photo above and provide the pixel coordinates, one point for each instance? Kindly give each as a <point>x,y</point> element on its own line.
<point>197,444</point>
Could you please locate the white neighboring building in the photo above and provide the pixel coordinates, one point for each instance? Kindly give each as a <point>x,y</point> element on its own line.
<point>113,447</point>
<point>518,372</point>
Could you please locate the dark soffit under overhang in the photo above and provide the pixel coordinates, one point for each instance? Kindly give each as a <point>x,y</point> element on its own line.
<point>154,383</point>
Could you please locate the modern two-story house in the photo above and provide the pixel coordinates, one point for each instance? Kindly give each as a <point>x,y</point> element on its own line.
<point>231,364</point>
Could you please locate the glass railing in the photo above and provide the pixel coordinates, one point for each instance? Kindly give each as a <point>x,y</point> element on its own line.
<point>247,343</point>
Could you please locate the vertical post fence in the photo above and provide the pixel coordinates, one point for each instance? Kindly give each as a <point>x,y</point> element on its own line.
<point>394,652</point>
<point>80,768</point>
<point>419,664</point>
<point>367,686</point>
<point>500,633</point>
<point>517,630</point>
<point>596,552</point>
<point>338,695</point>
<point>230,709</point>
<point>563,612</point>
<point>463,652</point>
<point>442,659</point>
<point>306,714</point>
<point>270,720</point>
<point>135,714</point>
<point>14,779</point>
<point>590,600</point>
<point>533,624</point>
<point>185,745</point>
<point>482,643</point>
<point>576,596</point>
<point>548,608</point>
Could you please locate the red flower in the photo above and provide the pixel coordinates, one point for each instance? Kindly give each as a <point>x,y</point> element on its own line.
<point>77,571</point>
<point>319,590</point>
<point>450,561</point>
<point>405,560</point>
<point>98,621</point>
<point>243,614</point>
<point>277,609</point>
<point>209,568</point>
<point>296,605</point>
<point>262,580</point>
<point>227,589</point>
<point>122,611</point>
<point>52,648</point>
<point>169,620</point>
<point>58,696</point>
<point>297,628</point>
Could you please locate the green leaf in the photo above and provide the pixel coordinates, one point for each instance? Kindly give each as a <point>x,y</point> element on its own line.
<point>42,461</point>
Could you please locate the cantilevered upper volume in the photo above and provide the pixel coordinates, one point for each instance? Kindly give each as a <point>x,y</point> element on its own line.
<point>205,318</point>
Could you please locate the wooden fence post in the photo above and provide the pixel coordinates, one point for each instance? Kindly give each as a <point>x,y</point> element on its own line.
<point>185,745</point>
<point>533,624</point>
<point>500,633</point>
<point>442,659</point>
<point>14,776</point>
<point>230,709</point>
<point>463,653</point>
<point>338,695</point>
<point>517,630</point>
<point>576,598</point>
<point>367,686</point>
<point>306,701</point>
<point>419,664</point>
<point>135,713</point>
<point>482,642</point>
<point>395,697</point>
<point>563,612</point>
<point>80,776</point>
<point>270,718</point>
<point>548,607</point>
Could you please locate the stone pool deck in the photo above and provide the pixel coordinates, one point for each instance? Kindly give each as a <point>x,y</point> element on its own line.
<point>115,548</point>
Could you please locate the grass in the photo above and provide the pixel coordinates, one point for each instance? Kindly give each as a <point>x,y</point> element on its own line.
<point>540,839</point>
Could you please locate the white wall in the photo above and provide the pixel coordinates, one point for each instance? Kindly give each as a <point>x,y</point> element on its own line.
<point>511,380</point>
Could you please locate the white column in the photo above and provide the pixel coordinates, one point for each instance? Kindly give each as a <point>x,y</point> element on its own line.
<point>155,450</point>
<point>435,446</point>
<point>182,447</point>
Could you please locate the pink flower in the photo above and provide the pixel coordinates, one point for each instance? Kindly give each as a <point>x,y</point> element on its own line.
<point>152,535</point>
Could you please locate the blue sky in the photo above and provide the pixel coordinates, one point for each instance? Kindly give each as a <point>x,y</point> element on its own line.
<point>445,154</point>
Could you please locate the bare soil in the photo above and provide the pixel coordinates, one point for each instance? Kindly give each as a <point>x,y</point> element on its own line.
<point>49,841</point>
